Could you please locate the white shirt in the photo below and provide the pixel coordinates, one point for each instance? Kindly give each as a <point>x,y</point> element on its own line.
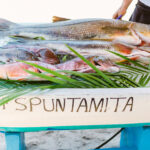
<point>146,2</point>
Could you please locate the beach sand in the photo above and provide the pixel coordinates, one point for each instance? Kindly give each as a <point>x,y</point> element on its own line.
<point>67,139</point>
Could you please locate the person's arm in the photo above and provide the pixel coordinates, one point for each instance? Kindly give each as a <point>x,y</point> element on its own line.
<point>122,10</point>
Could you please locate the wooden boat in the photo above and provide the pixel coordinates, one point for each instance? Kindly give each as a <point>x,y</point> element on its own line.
<point>77,109</point>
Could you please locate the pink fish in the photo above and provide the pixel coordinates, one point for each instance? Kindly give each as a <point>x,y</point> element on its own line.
<point>77,64</point>
<point>16,71</point>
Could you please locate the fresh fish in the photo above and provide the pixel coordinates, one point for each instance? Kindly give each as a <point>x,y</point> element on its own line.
<point>102,49</point>
<point>11,55</point>
<point>86,48</point>
<point>16,71</point>
<point>79,65</point>
<point>5,24</point>
<point>86,29</point>
<point>29,53</point>
<point>96,48</point>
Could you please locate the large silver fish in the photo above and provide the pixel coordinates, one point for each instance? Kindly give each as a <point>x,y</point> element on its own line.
<point>86,29</point>
<point>94,48</point>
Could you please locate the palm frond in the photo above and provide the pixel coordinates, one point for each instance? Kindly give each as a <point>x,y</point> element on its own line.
<point>134,75</point>
<point>92,66</point>
<point>129,60</point>
<point>12,89</point>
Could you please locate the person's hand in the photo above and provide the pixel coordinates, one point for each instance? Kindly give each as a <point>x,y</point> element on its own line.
<point>120,11</point>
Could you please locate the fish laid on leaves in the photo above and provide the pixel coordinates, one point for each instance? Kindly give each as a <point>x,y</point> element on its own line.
<point>92,38</point>
<point>85,29</point>
<point>16,71</point>
<point>77,64</point>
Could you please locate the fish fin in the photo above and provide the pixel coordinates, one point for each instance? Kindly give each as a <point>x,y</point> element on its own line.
<point>57,19</point>
<point>144,38</point>
<point>122,48</point>
<point>122,61</point>
<point>143,43</point>
<point>5,24</point>
<point>134,58</point>
<point>134,34</point>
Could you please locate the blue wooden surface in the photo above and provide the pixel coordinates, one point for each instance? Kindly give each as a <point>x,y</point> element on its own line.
<point>15,140</point>
<point>76,127</point>
<point>125,148</point>
<point>137,138</point>
<point>133,138</point>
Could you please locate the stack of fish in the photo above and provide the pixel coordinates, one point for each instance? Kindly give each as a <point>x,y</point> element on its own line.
<point>45,45</point>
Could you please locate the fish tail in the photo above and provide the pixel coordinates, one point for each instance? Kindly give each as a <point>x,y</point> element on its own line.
<point>57,19</point>
<point>122,48</point>
<point>132,58</point>
<point>5,24</point>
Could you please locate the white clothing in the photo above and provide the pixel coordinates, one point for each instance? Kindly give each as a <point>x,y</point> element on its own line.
<point>146,2</point>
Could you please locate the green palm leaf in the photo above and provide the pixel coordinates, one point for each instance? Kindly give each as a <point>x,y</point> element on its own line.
<point>129,60</point>
<point>134,75</point>
<point>92,66</point>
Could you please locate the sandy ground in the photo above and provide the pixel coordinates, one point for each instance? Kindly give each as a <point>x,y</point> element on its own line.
<point>67,140</point>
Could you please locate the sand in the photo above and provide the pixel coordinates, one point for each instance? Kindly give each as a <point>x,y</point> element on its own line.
<point>67,139</point>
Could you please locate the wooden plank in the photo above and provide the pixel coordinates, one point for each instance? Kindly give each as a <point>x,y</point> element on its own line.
<point>125,148</point>
<point>14,141</point>
<point>75,108</point>
<point>137,137</point>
